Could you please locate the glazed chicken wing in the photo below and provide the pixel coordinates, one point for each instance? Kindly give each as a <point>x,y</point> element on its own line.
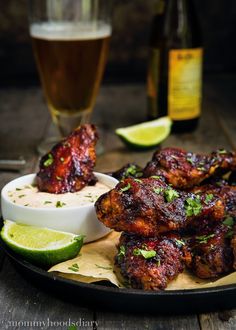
<point>151,263</point>
<point>148,207</point>
<point>212,254</point>
<point>68,167</point>
<point>185,169</point>
<point>222,190</point>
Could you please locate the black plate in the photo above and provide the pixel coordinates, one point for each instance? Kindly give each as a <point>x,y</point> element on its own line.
<point>109,297</point>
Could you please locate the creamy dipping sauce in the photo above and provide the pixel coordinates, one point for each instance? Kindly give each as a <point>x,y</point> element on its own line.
<point>30,196</point>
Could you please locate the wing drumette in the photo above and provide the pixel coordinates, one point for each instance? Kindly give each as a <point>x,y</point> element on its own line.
<point>185,169</point>
<point>151,263</point>
<point>148,207</point>
<point>212,254</point>
<point>68,167</point>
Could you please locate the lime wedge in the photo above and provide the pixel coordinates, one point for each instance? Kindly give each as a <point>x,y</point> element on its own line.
<point>42,246</point>
<point>147,134</point>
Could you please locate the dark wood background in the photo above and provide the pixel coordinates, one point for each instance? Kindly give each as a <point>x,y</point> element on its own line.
<point>128,52</point>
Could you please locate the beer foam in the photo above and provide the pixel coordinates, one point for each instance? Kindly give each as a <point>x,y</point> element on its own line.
<point>70,31</point>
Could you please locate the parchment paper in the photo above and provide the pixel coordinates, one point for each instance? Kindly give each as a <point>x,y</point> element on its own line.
<point>96,263</point>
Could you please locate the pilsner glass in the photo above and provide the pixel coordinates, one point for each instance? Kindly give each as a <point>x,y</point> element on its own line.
<point>70,42</point>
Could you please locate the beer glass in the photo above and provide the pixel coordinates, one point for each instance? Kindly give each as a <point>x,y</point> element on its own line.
<point>70,42</point>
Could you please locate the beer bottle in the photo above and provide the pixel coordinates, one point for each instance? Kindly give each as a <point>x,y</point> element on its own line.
<point>174,81</point>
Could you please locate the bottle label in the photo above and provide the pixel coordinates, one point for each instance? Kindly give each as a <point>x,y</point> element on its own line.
<point>185,83</point>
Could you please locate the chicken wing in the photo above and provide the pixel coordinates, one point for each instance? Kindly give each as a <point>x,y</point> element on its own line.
<point>68,167</point>
<point>212,254</point>
<point>151,263</point>
<point>148,207</point>
<point>185,169</point>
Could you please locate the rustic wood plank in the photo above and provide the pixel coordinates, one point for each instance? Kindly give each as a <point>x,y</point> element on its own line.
<point>225,320</point>
<point>21,302</point>
<point>117,321</point>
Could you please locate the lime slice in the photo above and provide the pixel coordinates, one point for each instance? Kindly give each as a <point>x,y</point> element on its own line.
<point>147,134</point>
<point>42,246</point>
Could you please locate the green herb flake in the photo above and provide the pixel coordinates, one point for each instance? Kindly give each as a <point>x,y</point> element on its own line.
<point>204,238</point>
<point>126,188</point>
<point>208,198</point>
<point>138,180</point>
<point>179,242</point>
<point>147,254</point>
<point>201,168</point>
<point>48,161</point>
<point>193,206</point>
<point>157,190</point>
<point>221,151</point>
<point>155,177</point>
<point>229,222</point>
<point>158,262</point>
<point>74,269</point>
<point>190,160</point>
<point>103,267</point>
<point>18,189</point>
<point>130,171</point>
<point>75,266</point>
<point>171,195</point>
<point>21,196</point>
<point>26,205</point>
<point>229,234</point>
<point>60,204</point>
<point>47,202</point>
<point>121,252</point>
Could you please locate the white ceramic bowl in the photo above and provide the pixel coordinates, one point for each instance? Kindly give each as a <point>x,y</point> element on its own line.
<point>77,220</point>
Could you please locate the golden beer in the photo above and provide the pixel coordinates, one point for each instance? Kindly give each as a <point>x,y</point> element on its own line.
<point>71,60</point>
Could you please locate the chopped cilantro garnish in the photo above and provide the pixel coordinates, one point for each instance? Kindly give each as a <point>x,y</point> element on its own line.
<point>60,204</point>
<point>18,189</point>
<point>171,194</point>
<point>190,160</point>
<point>131,171</point>
<point>229,222</point>
<point>47,202</point>
<point>138,180</point>
<point>157,190</point>
<point>74,268</point>
<point>155,177</point>
<point>26,205</point>
<point>179,242</point>
<point>221,151</point>
<point>193,206</point>
<point>121,251</point>
<point>21,196</point>
<point>209,198</point>
<point>229,234</point>
<point>201,168</point>
<point>48,161</point>
<point>103,267</point>
<point>125,188</point>
<point>147,254</point>
<point>158,262</point>
<point>204,238</point>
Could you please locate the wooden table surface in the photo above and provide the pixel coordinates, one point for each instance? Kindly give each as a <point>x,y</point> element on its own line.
<point>24,121</point>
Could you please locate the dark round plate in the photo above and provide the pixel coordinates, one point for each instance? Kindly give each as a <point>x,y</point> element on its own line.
<point>109,297</point>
